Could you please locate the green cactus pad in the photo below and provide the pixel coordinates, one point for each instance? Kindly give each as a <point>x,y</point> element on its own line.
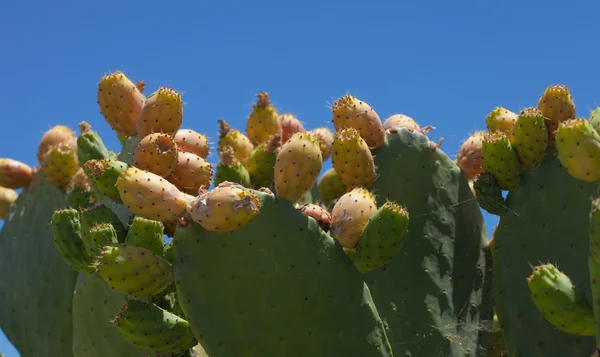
<point>66,231</point>
<point>500,158</point>
<point>147,233</point>
<point>104,175</point>
<point>90,146</point>
<point>279,286</point>
<point>100,236</point>
<point>95,216</point>
<point>489,194</point>
<point>529,137</point>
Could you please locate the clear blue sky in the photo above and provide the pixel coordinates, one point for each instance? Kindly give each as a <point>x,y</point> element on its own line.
<point>444,63</point>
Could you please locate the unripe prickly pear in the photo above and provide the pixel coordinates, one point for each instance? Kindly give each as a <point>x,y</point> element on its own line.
<point>500,159</point>
<point>289,126</point>
<point>59,164</point>
<point>261,163</point>
<point>59,134</point>
<point>297,167</point>
<point>225,208</point>
<point>191,173</point>
<point>230,169</point>
<point>350,215</point>
<point>350,112</point>
<point>95,216</point>
<point>500,119</point>
<point>594,119</point>
<point>66,230</point>
<point>331,186</point>
<point>14,174</point>
<point>469,155</point>
<point>101,235</point>
<point>317,212</point>
<point>7,197</point>
<point>239,142</point>
<point>81,196</point>
<point>147,233</point>
<point>578,147</point>
<point>120,103</point>
<point>557,106</point>
<point>489,194</point>
<point>151,196</point>
<point>162,113</point>
<point>397,121</point>
<point>263,122</point>
<point>104,175</point>
<point>352,159</point>
<point>529,137</point>
<point>90,145</point>
<point>325,138</point>
<point>188,140</point>
<point>156,153</point>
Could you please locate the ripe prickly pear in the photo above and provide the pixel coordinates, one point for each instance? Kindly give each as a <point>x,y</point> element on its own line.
<point>230,169</point>
<point>263,122</point>
<point>191,173</point>
<point>147,233</point>
<point>325,138</point>
<point>104,175</point>
<point>7,197</point>
<point>350,215</point>
<point>188,140</point>
<point>350,112</point>
<point>297,167</point>
<point>500,159</point>
<point>289,126</point>
<point>162,113</point>
<point>317,212</point>
<point>489,194</point>
<point>156,153</point>
<point>14,174</point>
<point>469,155</point>
<point>120,103</point>
<point>557,106</point>
<point>352,159</point>
<point>500,119</point>
<point>59,134</point>
<point>59,164</point>
<point>398,121</point>
<point>90,145</point>
<point>66,230</point>
<point>529,137</point>
<point>151,196</point>
<point>225,208</point>
<point>578,146</point>
<point>331,186</point>
<point>261,163</point>
<point>239,142</point>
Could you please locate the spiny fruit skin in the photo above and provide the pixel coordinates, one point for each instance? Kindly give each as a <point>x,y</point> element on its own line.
<point>14,174</point>
<point>98,216</point>
<point>398,121</point>
<point>557,106</point>
<point>500,159</point>
<point>325,138</point>
<point>297,167</point>
<point>350,112</point>
<point>101,235</point>
<point>162,113</point>
<point>90,145</point>
<point>261,163</point>
<point>317,212</point>
<point>350,215</point>
<point>352,159</point>
<point>66,230</point>
<point>59,164</point>
<point>500,119</point>
<point>191,173</point>
<point>469,155</point>
<point>7,197</point>
<point>529,137</point>
<point>239,142</point>
<point>120,103</point>
<point>225,208</point>
<point>188,140</point>
<point>330,186</point>
<point>146,233</point>
<point>104,175</point>
<point>151,196</point>
<point>59,134</point>
<point>230,169</point>
<point>156,153</point>
<point>134,270</point>
<point>578,147</point>
<point>289,126</point>
<point>263,121</point>
<point>489,194</point>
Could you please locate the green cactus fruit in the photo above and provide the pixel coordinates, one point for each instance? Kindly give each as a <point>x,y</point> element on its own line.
<point>578,146</point>
<point>151,196</point>
<point>101,235</point>
<point>104,175</point>
<point>90,145</point>
<point>153,329</point>
<point>331,186</point>
<point>120,103</point>
<point>66,229</point>
<point>529,137</point>
<point>594,119</point>
<point>239,142</point>
<point>59,164</point>
<point>156,153</point>
<point>134,270</point>
<point>7,197</point>
<point>14,174</point>
<point>352,159</point>
<point>318,213</point>
<point>350,215</point>
<point>350,112</point>
<point>263,122</point>
<point>469,155</point>
<point>261,163</point>
<point>500,159</point>
<point>398,121</point>
<point>57,135</point>
<point>561,304</point>
<point>325,138</point>
<point>188,140</point>
<point>230,169</point>
<point>147,233</point>
<point>297,167</point>
<point>80,193</point>
<point>500,120</point>
<point>162,113</point>
<point>489,194</point>
<point>381,238</point>
<point>191,173</point>
<point>225,208</point>
<point>289,126</point>
<point>168,251</point>
<point>95,216</point>
<point>557,106</point>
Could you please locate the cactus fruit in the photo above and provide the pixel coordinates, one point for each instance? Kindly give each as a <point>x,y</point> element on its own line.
<point>66,229</point>
<point>331,187</point>
<point>350,215</point>
<point>289,126</point>
<point>120,103</point>
<point>14,174</point>
<point>325,138</point>
<point>225,208</point>
<point>529,137</point>
<point>191,173</point>
<point>557,106</point>
<point>104,175</point>
<point>469,155</point>
<point>7,197</point>
<point>261,163</point>
<point>188,140</point>
<point>100,236</point>
<point>147,233</point>
<point>95,216</point>
<point>489,194</point>
<point>59,164</point>
<point>578,146</point>
<point>90,145</point>
<point>156,153</point>
<point>57,135</point>
<point>162,113</point>
<point>134,270</point>
<point>352,159</point>
<point>263,122</point>
<point>397,121</point>
<point>317,212</point>
<point>500,120</point>
<point>297,167</point>
<point>350,112</point>
<point>501,160</point>
<point>151,196</point>
<point>594,119</point>
<point>81,196</point>
<point>230,169</point>
<point>232,137</point>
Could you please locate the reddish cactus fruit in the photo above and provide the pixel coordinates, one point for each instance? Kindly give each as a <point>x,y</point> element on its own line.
<point>350,216</point>
<point>191,173</point>
<point>469,155</point>
<point>162,113</point>
<point>156,153</point>
<point>120,103</point>
<point>289,126</point>
<point>59,134</point>
<point>325,138</point>
<point>14,174</point>
<point>350,112</point>
<point>188,140</point>
<point>398,121</point>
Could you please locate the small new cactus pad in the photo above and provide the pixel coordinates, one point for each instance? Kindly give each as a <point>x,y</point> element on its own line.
<point>325,138</point>
<point>162,113</point>
<point>331,186</point>
<point>239,142</point>
<point>529,137</point>
<point>297,167</point>
<point>261,163</point>
<point>59,164</point>
<point>57,135</point>
<point>104,175</point>
<point>66,231</point>
<point>191,173</point>
<point>351,112</point>
<point>263,121</point>
<point>90,145</point>
<point>188,140</point>
<point>501,120</point>
<point>352,159</point>
<point>397,121</point>
<point>289,126</point>
<point>14,174</point>
<point>578,146</point>
<point>147,233</point>
<point>501,160</point>
<point>230,169</point>
<point>156,153</point>
<point>489,194</point>
<point>7,197</point>
<point>350,215</point>
<point>469,155</point>
<point>557,106</point>
<point>120,103</point>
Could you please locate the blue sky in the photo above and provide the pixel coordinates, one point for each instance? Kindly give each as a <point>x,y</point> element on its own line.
<point>446,64</point>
